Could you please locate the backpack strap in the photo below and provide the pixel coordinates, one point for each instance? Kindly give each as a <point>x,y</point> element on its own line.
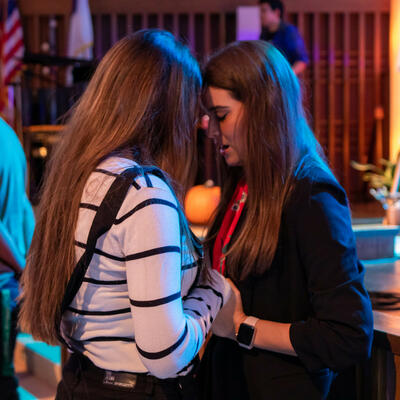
<point>102,222</point>
<point>196,242</point>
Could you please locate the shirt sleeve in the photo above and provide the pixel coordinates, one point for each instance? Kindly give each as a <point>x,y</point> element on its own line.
<point>297,43</point>
<point>169,330</point>
<point>339,333</point>
<point>9,250</point>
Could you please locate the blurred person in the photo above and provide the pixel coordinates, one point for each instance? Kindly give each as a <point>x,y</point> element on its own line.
<point>16,229</point>
<point>283,35</point>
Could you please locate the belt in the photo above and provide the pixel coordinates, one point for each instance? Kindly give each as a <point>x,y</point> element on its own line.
<point>122,380</point>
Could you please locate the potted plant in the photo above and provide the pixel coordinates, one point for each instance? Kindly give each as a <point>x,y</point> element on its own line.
<point>384,186</point>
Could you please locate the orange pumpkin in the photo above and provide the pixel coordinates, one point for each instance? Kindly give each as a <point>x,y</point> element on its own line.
<point>201,202</point>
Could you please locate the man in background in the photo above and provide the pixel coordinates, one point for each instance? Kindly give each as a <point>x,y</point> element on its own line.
<point>282,35</point>
<point>16,230</point>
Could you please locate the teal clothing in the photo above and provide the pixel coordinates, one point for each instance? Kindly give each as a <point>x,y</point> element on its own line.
<point>16,215</point>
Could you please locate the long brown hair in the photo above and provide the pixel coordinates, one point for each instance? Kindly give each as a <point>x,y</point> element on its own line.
<point>143,97</point>
<point>278,145</point>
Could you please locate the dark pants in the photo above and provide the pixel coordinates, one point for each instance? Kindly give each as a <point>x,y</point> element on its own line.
<point>8,334</point>
<point>228,372</point>
<point>81,379</point>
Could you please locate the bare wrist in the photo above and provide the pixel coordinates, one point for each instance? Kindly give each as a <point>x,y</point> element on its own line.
<point>238,321</point>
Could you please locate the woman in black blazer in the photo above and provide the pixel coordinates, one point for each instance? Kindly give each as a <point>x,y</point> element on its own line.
<point>283,234</point>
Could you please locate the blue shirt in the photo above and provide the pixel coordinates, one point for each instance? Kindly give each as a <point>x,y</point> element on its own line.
<point>16,214</point>
<point>289,41</point>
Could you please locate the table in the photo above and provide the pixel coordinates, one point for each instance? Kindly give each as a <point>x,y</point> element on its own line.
<point>381,376</point>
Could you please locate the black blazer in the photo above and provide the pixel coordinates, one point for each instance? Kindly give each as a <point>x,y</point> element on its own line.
<point>315,283</point>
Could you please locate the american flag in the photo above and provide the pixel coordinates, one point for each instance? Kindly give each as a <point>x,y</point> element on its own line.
<point>12,43</point>
<point>12,50</point>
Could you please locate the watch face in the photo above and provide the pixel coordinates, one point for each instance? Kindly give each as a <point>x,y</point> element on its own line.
<point>245,334</point>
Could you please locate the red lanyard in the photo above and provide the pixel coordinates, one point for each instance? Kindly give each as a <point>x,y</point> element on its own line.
<point>228,226</point>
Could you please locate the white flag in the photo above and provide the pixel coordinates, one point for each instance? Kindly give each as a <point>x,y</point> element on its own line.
<point>80,38</point>
<point>80,41</point>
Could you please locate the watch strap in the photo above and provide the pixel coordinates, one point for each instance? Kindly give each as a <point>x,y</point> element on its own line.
<point>250,321</point>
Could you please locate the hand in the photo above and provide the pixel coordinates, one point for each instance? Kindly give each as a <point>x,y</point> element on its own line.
<point>223,322</point>
<point>238,314</point>
<point>230,316</point>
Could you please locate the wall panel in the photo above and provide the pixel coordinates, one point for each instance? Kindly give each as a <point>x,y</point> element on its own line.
<point>345,84</point>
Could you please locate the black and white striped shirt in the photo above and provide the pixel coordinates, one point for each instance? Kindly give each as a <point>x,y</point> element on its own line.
<point>136,310</point>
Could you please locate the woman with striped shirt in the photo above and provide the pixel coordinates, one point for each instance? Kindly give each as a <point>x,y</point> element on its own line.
<point>113,270</point>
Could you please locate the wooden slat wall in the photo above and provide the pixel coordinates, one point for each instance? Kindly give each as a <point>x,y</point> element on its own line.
<point>347,79</point>
<point>346,100</point>
<point>346,83</point>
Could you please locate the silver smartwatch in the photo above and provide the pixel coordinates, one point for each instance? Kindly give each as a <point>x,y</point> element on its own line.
<point>246,332</point>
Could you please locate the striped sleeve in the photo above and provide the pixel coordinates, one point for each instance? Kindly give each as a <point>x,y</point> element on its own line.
<point>168,331</point>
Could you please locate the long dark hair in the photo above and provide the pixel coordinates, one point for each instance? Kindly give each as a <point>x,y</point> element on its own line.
<point>143,97</point>
<point>278,146</point>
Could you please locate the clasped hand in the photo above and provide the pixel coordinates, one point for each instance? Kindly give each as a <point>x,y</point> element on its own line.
<point>227,322</point>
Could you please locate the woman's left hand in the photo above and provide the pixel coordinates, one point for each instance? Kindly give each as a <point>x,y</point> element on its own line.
<point>238,314</point>
<point>231,314</point>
